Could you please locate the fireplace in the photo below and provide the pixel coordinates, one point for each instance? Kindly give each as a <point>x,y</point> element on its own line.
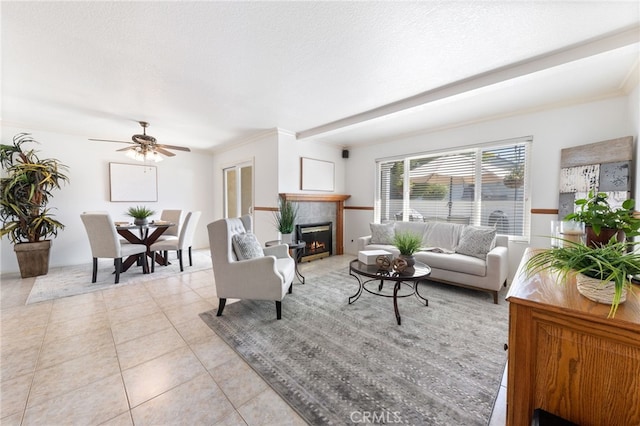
<point>318,240</point>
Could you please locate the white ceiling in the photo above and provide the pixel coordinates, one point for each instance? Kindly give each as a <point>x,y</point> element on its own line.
<point>207,74</point>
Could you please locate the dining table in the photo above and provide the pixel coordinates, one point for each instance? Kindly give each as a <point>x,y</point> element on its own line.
<point>147,235</point>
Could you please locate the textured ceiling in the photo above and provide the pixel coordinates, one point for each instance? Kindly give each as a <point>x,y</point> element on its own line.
<point>206,74</point>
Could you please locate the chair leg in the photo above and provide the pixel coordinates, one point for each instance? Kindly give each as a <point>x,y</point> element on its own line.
<point>94,276</point>
<point>153,261</point>
<point>166,258</point>
<point>145,265</point>
<point>118,269</point>
<point>221,306</point>
<point>278,309</point>
<point>190,260</point>
<point>180,258</point>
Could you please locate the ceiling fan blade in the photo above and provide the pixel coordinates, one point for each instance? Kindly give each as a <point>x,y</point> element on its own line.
<point>109,140</point>
<point>129,148</point>
<point>179,148</point>
<point>164,151</point>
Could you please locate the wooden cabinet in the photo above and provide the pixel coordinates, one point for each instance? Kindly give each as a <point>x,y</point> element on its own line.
<point>566,357</point>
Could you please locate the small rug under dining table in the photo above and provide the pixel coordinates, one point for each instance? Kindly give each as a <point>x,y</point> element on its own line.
<point>336,363</point>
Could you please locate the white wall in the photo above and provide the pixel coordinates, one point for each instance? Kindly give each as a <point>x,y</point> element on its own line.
<point>88,189</point>
<point>552,130</point>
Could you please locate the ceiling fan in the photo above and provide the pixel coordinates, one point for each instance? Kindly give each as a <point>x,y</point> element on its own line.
<point>145,147</point>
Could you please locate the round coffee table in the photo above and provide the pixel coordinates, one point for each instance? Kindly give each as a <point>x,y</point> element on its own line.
<point>366,274</point>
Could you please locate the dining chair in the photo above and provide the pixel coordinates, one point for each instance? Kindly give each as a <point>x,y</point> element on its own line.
<point>106,244</point>
<point>172,232</point>
<point>184,241</point>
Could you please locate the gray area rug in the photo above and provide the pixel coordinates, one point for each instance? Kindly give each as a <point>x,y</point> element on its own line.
<point>68,281</point>
<point>336,363</point>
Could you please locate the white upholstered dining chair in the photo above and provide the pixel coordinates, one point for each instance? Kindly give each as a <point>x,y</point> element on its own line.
<point>184,241</point>
<point>172,232</point>
<point>105,243</point>
<point>243,269</point>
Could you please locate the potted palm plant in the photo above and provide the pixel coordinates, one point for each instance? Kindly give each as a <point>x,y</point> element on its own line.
<point>285,219</point>
<point>603,221</point>
<point>603,272</point>
<point>140,214</point>
<point>25,192</point>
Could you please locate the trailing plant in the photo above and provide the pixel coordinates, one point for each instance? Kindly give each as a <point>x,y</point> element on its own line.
<point>285,217</point>
<point>140,212</point>
<point>615,261</point>
<point>596,212</point>
<point>26,190</point>
<point>407,243</point>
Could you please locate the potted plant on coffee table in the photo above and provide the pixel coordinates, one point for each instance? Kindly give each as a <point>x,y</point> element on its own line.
<point>25,192</point>
<point>603,272</point>
<point>140,214</point>
<point>407,244</point>
<point>285,219</point>
<point>603,221</point>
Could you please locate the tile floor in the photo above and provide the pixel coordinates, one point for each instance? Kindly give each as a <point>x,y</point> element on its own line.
<point>137,354</point>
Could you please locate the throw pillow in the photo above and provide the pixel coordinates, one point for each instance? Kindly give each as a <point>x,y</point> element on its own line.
<point>382,233</point>
<point>246,246</point>
<point>476,241</point>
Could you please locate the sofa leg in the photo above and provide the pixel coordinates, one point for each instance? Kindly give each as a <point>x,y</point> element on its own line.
<point>495,297</point>
<point>221,307</point>
<point>505,283</point>
<point>278,309</point>
<point>290,288</point>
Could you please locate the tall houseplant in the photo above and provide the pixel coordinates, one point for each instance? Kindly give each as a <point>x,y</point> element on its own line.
<point>285,218</point>
<point>603,221</point>
<point>25,192</point>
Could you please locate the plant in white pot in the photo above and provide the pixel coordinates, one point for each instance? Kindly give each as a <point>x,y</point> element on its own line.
<point>285,219</point>
<point>25,191</point>
<point>603,272</point>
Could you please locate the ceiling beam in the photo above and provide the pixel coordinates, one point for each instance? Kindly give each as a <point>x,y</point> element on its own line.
<point>595,46</point>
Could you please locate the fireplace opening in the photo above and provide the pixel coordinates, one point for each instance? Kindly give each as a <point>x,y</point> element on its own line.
<point>318,240</point>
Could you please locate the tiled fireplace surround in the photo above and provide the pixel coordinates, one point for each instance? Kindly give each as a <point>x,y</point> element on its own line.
<point>313,208</point>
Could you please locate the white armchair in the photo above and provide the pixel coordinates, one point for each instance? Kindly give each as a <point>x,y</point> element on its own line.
<point>267,277</point>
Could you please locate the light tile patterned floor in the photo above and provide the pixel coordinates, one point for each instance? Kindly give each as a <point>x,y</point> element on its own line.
<point>137,354</point>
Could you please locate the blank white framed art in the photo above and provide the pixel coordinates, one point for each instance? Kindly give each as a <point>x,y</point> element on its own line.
<point>133,182</point>
<point>316,175</point>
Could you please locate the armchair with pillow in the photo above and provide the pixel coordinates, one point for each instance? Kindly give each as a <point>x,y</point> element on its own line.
<point>245,270</point>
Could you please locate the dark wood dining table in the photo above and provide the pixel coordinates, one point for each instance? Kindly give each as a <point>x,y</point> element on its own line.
<point>143,237</point>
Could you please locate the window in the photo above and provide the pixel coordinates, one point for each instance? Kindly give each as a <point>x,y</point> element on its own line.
<point>484,185</point>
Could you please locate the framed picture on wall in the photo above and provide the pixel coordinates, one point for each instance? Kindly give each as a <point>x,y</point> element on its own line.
<point>316,175</point>
<point>133,182</point>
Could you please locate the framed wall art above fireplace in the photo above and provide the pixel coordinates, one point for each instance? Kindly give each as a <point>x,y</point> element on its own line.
<point>316,175</point>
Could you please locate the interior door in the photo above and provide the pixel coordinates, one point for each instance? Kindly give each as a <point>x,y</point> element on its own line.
<point>238,183</point>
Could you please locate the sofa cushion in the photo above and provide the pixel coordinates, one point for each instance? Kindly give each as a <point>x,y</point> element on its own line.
<point>382,233</point>
<point>453,262</point>
<point>246,246</point>
<point>476,241</point>
<point>417,228</point>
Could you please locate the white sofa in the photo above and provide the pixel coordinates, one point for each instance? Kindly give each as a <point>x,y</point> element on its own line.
<point>454,252</point>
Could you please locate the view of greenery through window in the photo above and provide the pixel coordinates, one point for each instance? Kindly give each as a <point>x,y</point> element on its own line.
<point>478,186</point>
